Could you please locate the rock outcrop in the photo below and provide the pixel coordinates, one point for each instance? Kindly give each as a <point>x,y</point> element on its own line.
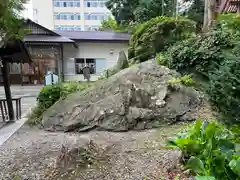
<point>136,98</point>
<point>122,61</point>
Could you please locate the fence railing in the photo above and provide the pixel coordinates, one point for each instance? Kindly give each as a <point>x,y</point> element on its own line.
<point>4,113</point>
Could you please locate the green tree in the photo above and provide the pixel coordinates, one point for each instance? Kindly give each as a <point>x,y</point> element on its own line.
<point>149,9</point>
<point>157,35</point>
<point>111,25</point>
<point>10,21</point>
<point>123,10</point>
<point>126,11</point>
<point>196,12</point>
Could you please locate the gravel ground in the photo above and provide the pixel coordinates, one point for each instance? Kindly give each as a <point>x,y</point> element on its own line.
<point>31,152</point>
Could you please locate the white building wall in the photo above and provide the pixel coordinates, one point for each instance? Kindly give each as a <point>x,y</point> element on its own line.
<point>43,13</point>
<point>98,50</point>
<point>28,10</point>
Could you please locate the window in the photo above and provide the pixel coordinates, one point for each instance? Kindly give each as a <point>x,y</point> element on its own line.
<point>95,3</point>
<point>67,28</point>
<point>67,16</point>
<point>57,16</point>
<point>81,63</point>
<point>14,68</point>
<point>95,16</point>
<point>66,3</point>
<point>91,28</point>
<point>76,4</point>
<point>77,28</point>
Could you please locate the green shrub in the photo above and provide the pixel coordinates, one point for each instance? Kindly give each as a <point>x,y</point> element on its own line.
<point>49,95</point>
<point>202,54</point>
<point>157,34</point>
<point>71,87</point>
<point>161,59</point>
<point>224,89</point>
<point>214,59</point>
<point>209,150</point>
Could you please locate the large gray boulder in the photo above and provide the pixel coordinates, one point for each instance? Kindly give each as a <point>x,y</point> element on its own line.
<point>136,98</point>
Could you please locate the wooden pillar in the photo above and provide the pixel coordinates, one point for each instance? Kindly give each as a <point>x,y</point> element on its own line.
<point>6,83</point>
<point>21,72</point>
<point>61,57</point>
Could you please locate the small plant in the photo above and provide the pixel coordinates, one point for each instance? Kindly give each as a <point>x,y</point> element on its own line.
<point>184,80</point>
<point>35,117</point>
<point>49,95</point>
<point>209,151</point>
<point>161,59</point>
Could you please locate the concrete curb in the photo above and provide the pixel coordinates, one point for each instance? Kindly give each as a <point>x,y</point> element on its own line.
<point>6,132</point>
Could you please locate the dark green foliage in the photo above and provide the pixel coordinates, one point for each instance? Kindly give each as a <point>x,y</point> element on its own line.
<point>215,57</point>
<point>224,88</point>
<point>148,9</point>
<point>49,95</point>
<point>10,22</point>
<point>196,13</point>
<point>131,11</point>
<point>123,11</point>
<point>209,149</point>
<point>203,53</point>
<point>157,34</point>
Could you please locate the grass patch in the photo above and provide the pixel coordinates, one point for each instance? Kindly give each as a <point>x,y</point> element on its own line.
<point>35,117</point>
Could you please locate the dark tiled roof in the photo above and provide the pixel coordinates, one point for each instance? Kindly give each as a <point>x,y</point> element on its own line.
<point>47,38</point>
<point>95,35</point>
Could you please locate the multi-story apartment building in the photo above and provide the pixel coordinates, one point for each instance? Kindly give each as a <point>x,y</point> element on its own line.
<point>69,15</point>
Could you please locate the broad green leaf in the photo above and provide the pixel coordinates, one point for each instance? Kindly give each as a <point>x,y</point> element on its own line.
<point>205,178</point>
<point>219,163</point>
<point>194,147</point>
<point>235,166</point>
<point>237,149</point>
<point>195,132</point>
<point>210,131</point>
<point>226,144</point>
<point>196,165</point>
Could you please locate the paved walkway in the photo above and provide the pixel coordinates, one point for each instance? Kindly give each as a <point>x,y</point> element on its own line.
<point>22,91</point>
<point>28,95</point>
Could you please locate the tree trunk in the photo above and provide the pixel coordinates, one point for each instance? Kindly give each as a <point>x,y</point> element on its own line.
<point>205,22</point>
<point>210,14</point>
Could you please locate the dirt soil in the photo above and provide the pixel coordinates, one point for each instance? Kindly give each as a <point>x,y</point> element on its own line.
<point>30,154</point>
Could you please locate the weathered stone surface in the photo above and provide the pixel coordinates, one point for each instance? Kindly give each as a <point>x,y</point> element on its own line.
<point>122,61</point>
<point>138,97</point>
